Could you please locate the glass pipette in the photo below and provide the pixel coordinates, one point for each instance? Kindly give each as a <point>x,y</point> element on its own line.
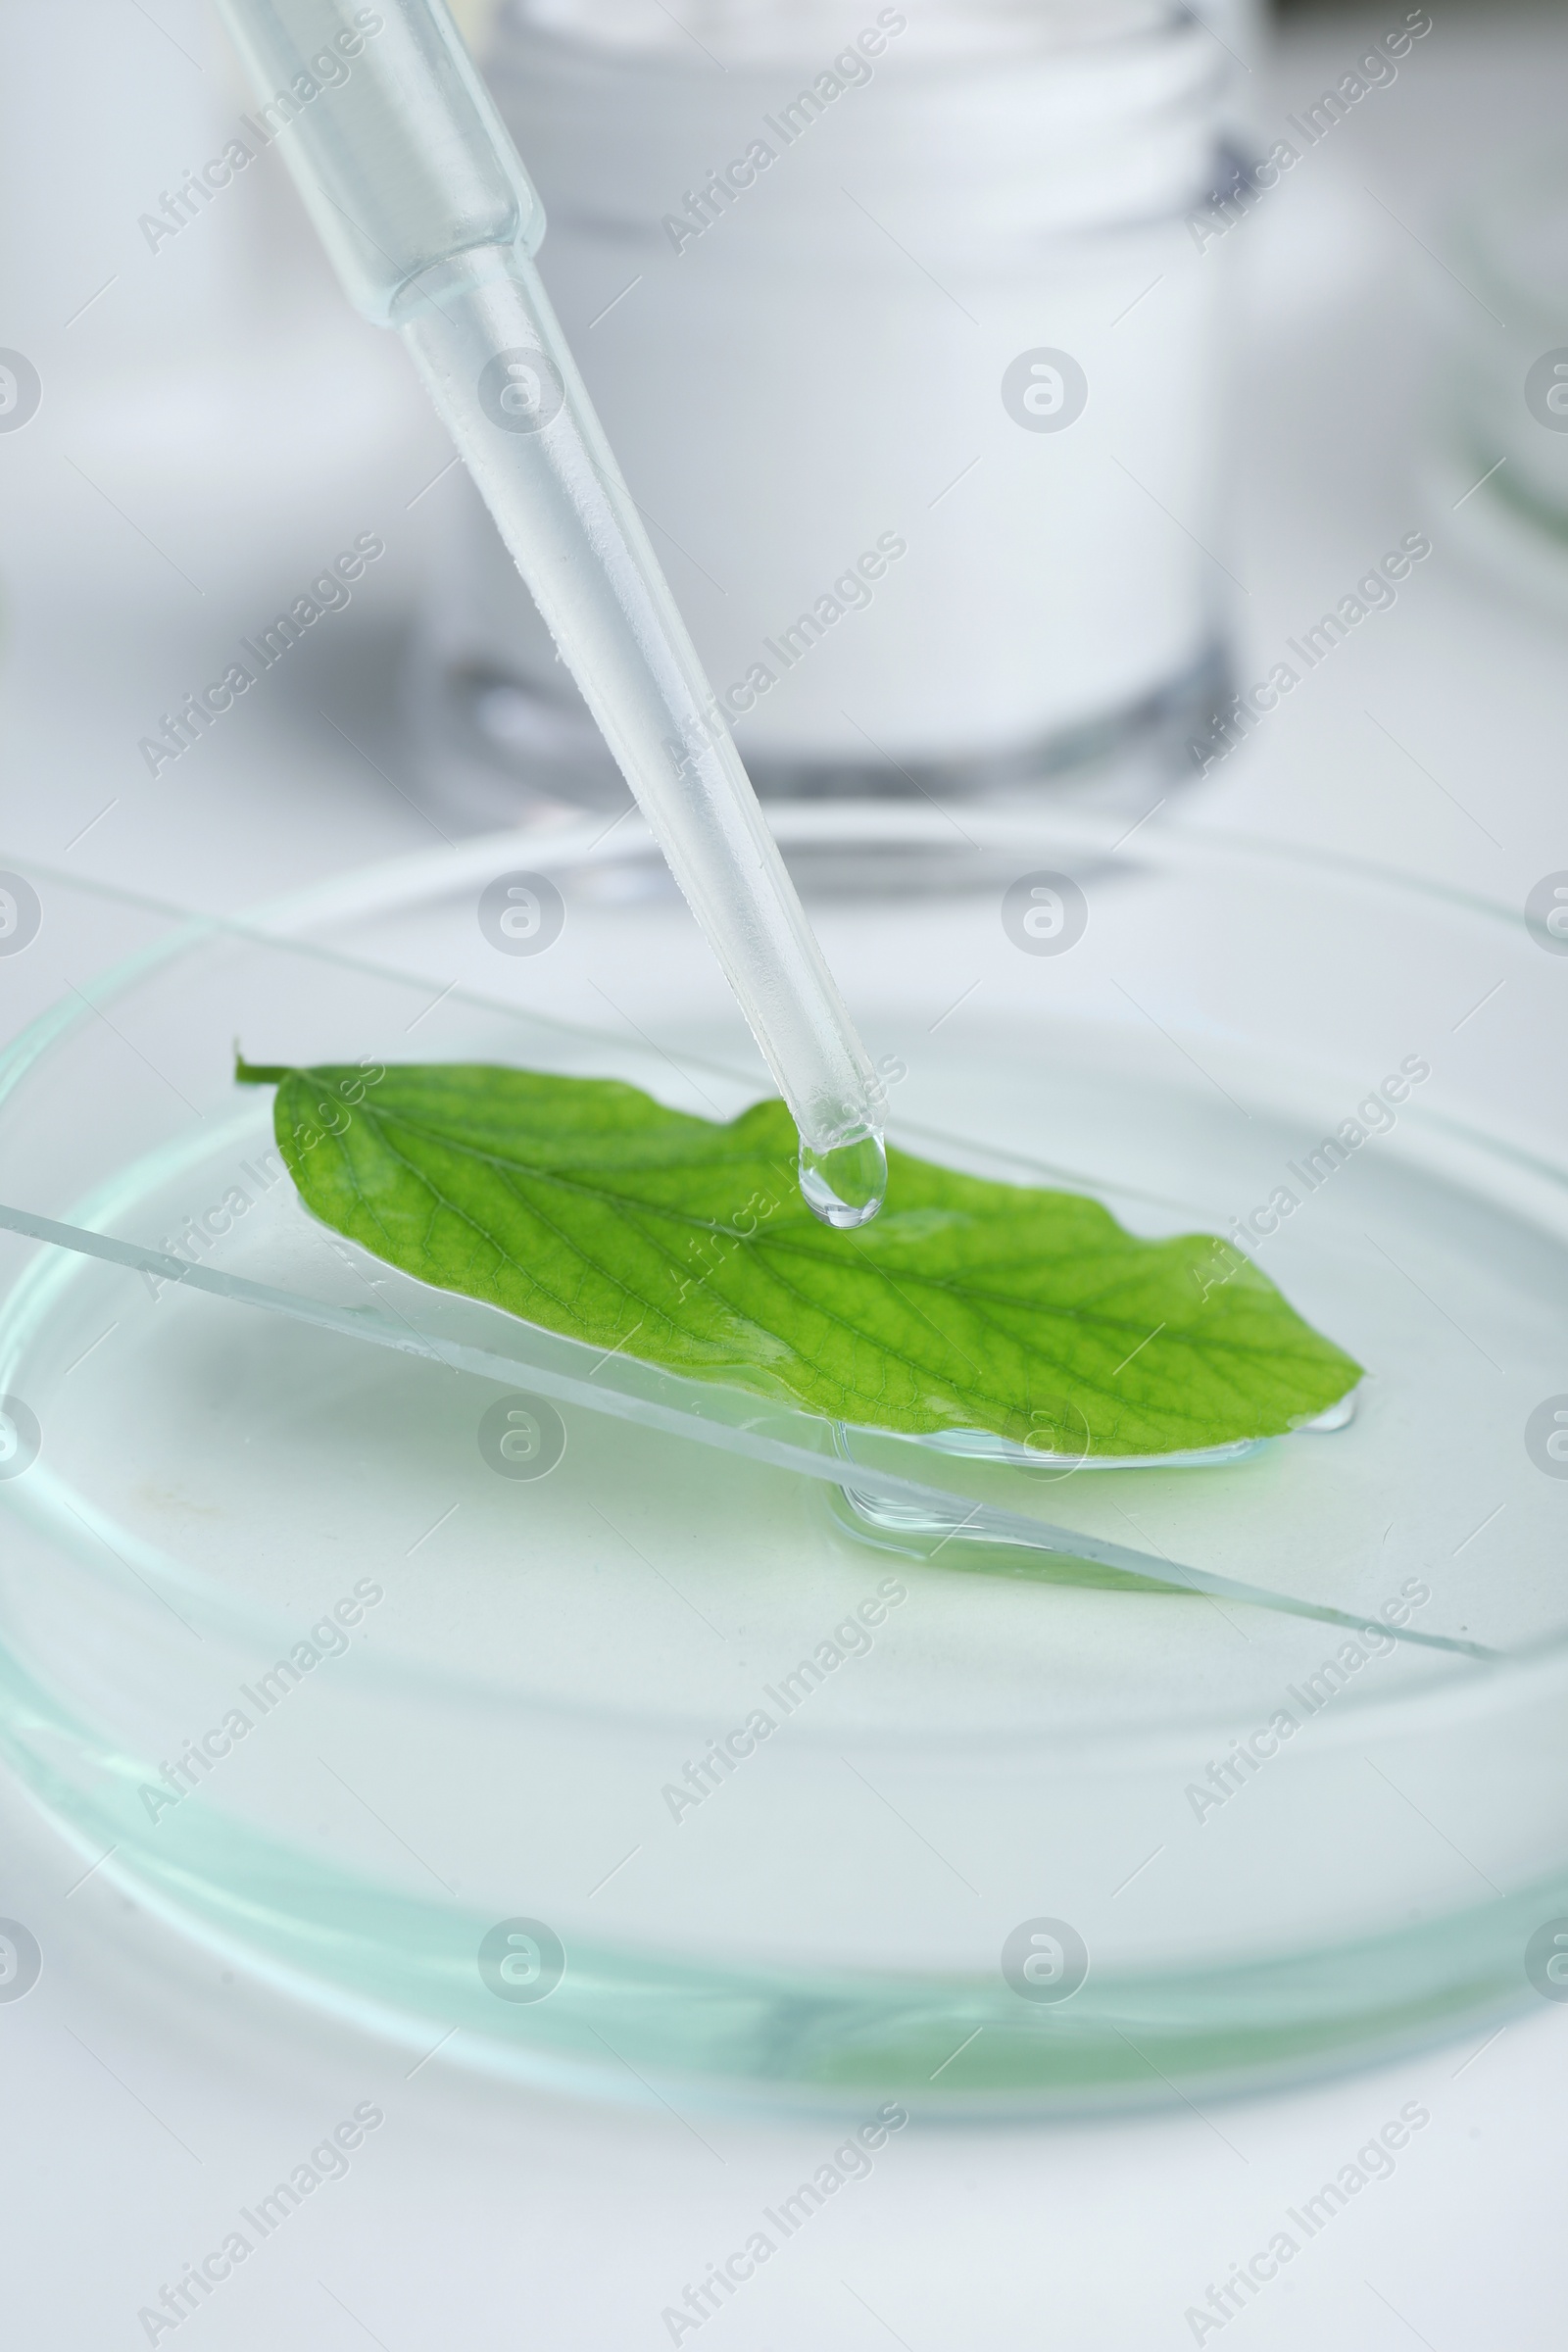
<point>423,203</point>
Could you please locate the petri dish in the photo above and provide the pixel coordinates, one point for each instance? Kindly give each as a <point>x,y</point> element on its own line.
<point>638,1734</point>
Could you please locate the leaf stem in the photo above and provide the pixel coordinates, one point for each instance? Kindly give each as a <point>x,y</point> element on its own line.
<point>257,1073</point>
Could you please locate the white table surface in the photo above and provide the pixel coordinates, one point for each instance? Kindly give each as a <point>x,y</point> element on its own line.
<point>147,2094</point>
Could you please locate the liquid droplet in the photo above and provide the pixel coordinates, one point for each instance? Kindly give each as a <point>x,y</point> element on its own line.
<point>845,1186</point>
<point>1338,1416</point>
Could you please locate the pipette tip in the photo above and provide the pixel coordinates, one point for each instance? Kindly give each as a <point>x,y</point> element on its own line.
<point>846,1185</point>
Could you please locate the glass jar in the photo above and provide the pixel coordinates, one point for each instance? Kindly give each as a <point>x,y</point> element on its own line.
<point>1498,440</point>
<point>909,358</point>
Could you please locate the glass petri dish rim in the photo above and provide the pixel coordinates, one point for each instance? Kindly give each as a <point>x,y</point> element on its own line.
<point>380,889</point>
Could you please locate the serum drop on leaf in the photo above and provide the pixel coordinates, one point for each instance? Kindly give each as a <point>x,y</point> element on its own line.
<point>847,1186</point>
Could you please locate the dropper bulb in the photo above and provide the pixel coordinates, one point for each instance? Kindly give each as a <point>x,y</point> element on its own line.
<point>845,1186</point>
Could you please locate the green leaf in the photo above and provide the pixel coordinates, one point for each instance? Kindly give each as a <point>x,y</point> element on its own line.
<point>586,1206</point>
